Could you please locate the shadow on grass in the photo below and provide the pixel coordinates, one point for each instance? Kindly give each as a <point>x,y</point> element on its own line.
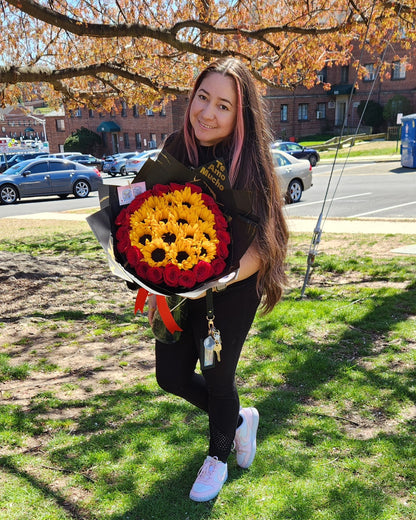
<point>152,446</point>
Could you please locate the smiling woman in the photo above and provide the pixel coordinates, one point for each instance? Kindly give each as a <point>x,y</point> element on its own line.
<point>213,110</point>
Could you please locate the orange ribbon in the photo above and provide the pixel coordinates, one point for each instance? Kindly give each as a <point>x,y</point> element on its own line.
<point>162,306</point>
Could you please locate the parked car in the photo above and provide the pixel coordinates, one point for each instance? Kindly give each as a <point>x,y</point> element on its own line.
<point>17,158</point>
<point>116,163</point>
<point>135,163</point>
<point>87,160</point>
<point>295,175</point>
<point>48,176</point>
<point>298,151</point>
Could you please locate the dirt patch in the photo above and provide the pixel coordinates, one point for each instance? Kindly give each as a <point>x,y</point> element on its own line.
<point>70,323</point>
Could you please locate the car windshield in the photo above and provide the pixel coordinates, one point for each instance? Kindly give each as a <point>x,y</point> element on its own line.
<point>17,168</point>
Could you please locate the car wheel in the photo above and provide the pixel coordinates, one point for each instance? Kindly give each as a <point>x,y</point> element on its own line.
<point>312,160</point>
<point>123,170</point>
<point>81,189</point>
<point>294,191</point>
<point>8,194</point>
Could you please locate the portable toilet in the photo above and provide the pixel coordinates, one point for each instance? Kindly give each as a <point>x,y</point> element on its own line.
<point>408,144</point>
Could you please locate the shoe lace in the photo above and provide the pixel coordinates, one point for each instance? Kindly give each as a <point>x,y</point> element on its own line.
<point>207,469</point>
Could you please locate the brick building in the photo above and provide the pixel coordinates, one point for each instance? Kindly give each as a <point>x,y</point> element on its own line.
<point>315,111</point>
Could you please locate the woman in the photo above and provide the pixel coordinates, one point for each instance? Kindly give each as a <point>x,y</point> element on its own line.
<point>225,119</point>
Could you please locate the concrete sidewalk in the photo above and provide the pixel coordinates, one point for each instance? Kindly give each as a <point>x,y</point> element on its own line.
<point>365,226</point>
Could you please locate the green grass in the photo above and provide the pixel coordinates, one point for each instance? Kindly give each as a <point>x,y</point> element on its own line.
<point>332,374</point>
<point>360,149</point>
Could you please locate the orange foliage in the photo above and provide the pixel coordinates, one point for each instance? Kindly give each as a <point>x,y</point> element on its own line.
<point>95,51</point>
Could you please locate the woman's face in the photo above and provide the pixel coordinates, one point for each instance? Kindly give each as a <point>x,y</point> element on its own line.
<point>213,111</point>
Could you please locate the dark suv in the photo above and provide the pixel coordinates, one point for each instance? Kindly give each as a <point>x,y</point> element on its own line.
<point>19,157</point>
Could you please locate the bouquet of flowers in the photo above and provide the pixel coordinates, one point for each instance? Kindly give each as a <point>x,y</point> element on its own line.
<point>174,230</point>
<point>174,236</point>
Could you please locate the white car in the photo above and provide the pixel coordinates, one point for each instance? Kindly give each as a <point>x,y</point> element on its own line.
<point>134,164</point>
<point>295,175</point>
<point>116,164</point>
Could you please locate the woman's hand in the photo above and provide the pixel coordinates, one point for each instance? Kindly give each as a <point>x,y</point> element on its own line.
<point>152,306</point>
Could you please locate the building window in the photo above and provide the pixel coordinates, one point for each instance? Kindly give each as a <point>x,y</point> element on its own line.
<point>303,112</point>
<point>152,142</point>
<point>136,111</point>
<point>60,125</point>
<point>126,140</point>
<point>78,113</point>
<point>163,137</point>
<point>162,112</point>
<point>138,141</point>
<point>149,112</point>
<point>90,113</point>
<point>370,73</point>
<point>283,112</point>
<point>345,70</point>
<point>321,111</point>
<point>123,109</point>
<point>322,75</point>
<point>399,70</point>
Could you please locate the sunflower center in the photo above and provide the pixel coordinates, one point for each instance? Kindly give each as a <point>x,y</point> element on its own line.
<point>169,238</point>
<point>143,239</point>
<point>181,256</point>
<point>158,254</point>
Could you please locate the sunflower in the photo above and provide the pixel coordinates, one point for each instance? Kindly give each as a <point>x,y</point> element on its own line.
<point>174,227</point>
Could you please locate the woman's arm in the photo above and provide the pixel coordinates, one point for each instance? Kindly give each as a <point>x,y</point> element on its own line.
<point>249,264</point>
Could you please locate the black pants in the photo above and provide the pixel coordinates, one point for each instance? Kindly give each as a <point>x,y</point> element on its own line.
<point>214,390</point>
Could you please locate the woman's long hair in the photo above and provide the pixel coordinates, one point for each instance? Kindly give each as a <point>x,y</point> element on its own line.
<point>252,168</point>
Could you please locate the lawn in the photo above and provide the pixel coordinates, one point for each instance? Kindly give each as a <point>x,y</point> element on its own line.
<point>87,434</point>
<point>360,148</point>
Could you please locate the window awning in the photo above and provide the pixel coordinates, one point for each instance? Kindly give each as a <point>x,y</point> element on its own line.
<point>341,90</point>
<point>108,126</point>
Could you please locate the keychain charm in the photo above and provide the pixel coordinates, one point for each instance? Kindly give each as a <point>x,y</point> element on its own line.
<point>212,343</point>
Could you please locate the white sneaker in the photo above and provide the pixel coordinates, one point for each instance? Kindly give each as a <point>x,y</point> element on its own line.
<point>245,437</point>
<point>210,480</point>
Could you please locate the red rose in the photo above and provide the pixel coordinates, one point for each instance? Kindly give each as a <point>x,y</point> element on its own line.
<point>141,269</point>
<point>187,279</point>
<point>123,239</point>
<point>138,201</point>
<point>174,186</point>
<point>220,222</point>
<point>203,270</point>
<point>123,218</point>
<point>218,265</point>
<point>223,236</point>
<point>194,187</point>
<point>155,274</point>
<point>222,250</point>
<point>160,189</point>
<point>133,255</point>
<point>209,202</point>
<point>171,275</point>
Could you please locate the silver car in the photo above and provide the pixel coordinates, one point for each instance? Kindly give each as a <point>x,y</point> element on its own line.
<point>134,164</point>
<point>40,177</point>
<point>295,175</point>
<point>116,163</point>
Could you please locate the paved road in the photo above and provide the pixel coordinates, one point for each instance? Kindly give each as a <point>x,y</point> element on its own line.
<point>360,190</point>
<point>362,197</point>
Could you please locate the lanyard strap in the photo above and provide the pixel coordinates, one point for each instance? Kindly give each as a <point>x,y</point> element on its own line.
<point>210,305</point>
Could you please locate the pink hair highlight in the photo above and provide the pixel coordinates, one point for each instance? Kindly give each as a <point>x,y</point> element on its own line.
<point>238,137</point>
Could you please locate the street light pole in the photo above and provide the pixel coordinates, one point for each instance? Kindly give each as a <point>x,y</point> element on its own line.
<point>43,121</point>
